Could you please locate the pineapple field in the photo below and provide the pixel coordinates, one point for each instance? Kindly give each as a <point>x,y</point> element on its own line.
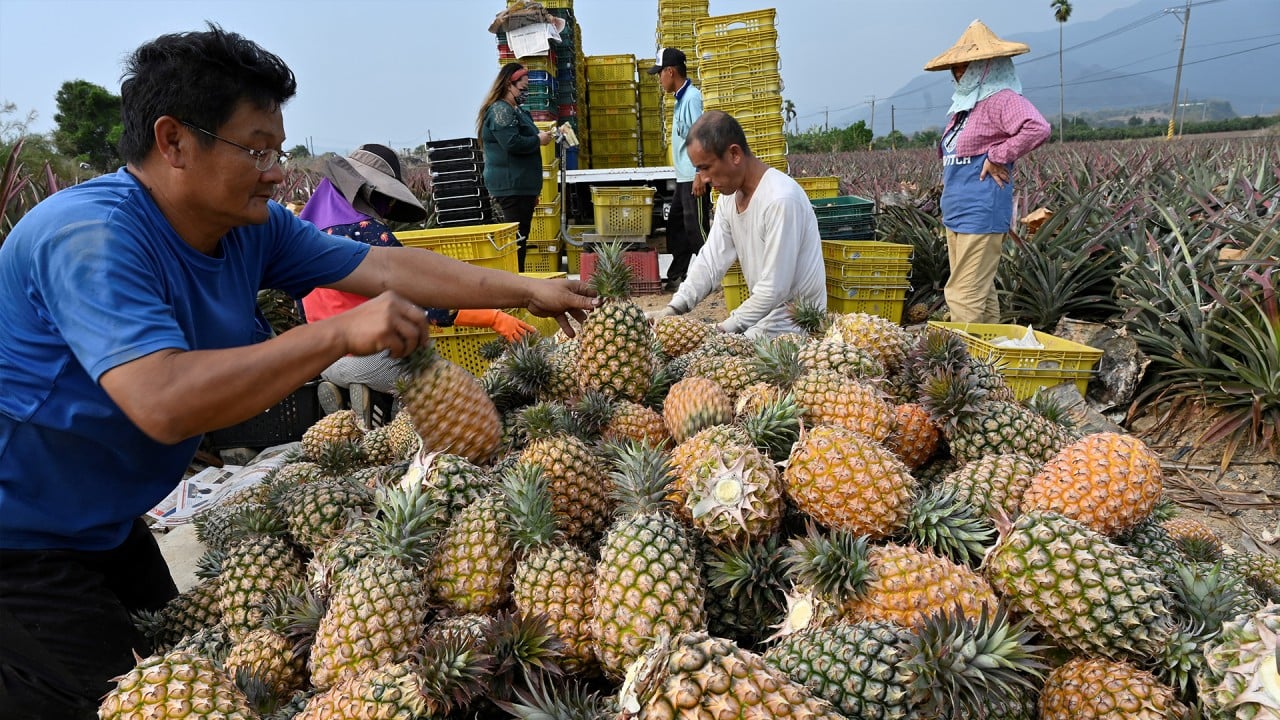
<point>861,521</point>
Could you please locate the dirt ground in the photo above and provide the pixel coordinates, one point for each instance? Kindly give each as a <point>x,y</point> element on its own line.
<point>1241,502</point>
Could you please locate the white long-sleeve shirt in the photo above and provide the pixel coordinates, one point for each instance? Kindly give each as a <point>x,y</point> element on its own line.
<point>776,242</point>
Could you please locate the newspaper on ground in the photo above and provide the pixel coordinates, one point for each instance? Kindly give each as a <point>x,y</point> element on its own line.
<point>207,488</point>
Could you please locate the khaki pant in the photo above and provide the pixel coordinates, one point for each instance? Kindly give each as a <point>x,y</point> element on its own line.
<point>971,291</point>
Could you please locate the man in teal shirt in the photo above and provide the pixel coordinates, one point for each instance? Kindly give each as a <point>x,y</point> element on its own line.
<point>690,215</point>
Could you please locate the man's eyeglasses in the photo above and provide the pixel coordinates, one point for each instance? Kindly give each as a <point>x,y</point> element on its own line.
<point>263,160</point>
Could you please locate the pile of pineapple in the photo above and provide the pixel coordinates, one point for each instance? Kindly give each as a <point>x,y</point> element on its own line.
<point>668,522</point>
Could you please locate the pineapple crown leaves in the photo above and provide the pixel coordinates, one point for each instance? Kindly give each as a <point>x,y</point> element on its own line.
<point>950,396</point>
<point>258,520</point>
<point>453,671</point>
<point>835,565</point>
<point>258,691</point>
<point>1207,595</point>
<point>529,365</point>
<point>294,611</point>
<point>209,565</point>
<point>940,521</point>
<point>641,477</point>
<point>494,349</point>
<point>416,362</point>
<point>340,458</point>
<point>1052,408</point>
<point>503,390</point>
<point>408,523</point>
<point>664,376</point>
<point>755,572</point>
<point>809,315</point>
<point>522,644</point>
<point>529,517</point>
<point>777,361</point>
<point>775,428</point>
<point>612,277</point>
<point>545,420</point>
<point>591,413</point>
<point>960,665</point>
<point>547,700</point>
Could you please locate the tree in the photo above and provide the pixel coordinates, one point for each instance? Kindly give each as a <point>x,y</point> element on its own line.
<point>1061,12</point>
<point>89,124</point>
<point>789,115</point>
<point>299,152</point>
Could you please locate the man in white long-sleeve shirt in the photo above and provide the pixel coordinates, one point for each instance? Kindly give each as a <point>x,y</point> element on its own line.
<point>765,221</point>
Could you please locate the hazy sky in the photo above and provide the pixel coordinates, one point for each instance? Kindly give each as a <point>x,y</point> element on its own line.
<point>400,71</point>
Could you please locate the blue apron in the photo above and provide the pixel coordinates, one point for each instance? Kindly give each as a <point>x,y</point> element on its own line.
<point>970,205</point>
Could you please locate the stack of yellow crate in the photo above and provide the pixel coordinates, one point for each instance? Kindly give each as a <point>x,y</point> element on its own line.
<point>544,247</point>
<point>653,151</point>
<point>675,30</point>
<point>613,124</point>
<point>739,66</point>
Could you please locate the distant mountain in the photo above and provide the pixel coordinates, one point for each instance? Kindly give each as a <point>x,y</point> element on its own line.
<point>1111,72</point>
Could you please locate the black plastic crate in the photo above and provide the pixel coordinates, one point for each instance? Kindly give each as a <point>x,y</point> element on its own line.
<point>454,167</point>
<point>464,142</point>
<point>283,422</point>
<point>478,201</point>
<point>467,153</point>
<point>473,216</point>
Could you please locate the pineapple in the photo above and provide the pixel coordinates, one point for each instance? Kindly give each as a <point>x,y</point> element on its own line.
<point>376,611</point>
<point>693,404</point>
<point>576,480</point>
<point>845,481</point>
<point>678,335</point>
<point>746,588</point>
<point>734,495</point>
<point>552,579</point>
<point>186,614</point>
<point>318,512</point>
<point>886,341</point>
<point>615,344</point>
<point>694,675</point>
<point>451,481</point>
<point>471,570</point>
<point>916,438</point>
<point>1106,481</point>
<point>1085,592</point>
<point>1188,530</point>
<point>267,655</point>
<point>335,428</point>
<point>829,398</point>
<point>952,666</point>
<point>732,373</point>
<point>1099,689</point>
<point>1240,678</point>
<point>975,425</point>
<point>686,456</point>
<point>262,562</point>
<point>993,484</point>
<point>647,580</point>
<point>394,442</point>
<point>176,685</point>
<point>840,356</point>
<point>940,521</point>
<point>632,421</point>
<point>448,407</point>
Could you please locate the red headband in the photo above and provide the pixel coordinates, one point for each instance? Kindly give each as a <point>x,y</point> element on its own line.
<point>519,74</point>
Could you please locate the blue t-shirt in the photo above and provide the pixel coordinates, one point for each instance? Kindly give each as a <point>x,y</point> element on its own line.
<point>90,279</point>
<point>687,111</point>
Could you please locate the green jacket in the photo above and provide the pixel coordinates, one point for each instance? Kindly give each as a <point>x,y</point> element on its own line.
<point>512,153</point>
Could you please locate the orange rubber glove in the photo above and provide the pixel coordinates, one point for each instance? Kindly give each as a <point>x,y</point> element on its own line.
<point>508,326</point>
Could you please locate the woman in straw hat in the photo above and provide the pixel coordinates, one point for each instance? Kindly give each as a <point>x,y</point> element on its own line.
<point>989,126</point>
<point>356,195</point>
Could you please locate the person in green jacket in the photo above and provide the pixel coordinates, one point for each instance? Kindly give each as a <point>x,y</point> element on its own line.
<point>512,150</point>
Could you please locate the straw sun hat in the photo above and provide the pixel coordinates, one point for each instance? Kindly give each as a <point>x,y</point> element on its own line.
<point>977,43</point>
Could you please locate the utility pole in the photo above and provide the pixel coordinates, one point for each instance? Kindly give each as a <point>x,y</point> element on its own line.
<point>871,144</point>
<point>1177,79</point>
<point>825,116</point>
<point>893,126</point>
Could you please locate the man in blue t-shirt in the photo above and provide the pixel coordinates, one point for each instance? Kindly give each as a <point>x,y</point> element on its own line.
<point>131,328</point>
<point>690,216</point>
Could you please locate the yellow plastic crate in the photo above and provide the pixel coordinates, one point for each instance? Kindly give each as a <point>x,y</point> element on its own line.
<point>461,346</point>
<point>885,301</point>
<point>541,260</point>
<point>550,183</point>
<point>611,68</point>
<point>818,188</point>
<point>623,210</point>
<point>1027,370</point>
<point>549,150</point>
<point>746,24</point>
<point>735,295</point>
<point>848,250</point>
<point>467,242</point>
<point>611,94</point>
<point>573,246</point>
<point>869,271</point>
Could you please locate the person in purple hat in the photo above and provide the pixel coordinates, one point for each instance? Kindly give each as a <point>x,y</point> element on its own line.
<point>357,192</point>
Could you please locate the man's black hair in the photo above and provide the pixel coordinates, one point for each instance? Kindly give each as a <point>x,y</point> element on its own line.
<point>199,78</point>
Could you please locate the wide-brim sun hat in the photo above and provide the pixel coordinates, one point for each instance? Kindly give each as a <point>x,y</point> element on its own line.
<point>977,43</point>
<point>377,168</point>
